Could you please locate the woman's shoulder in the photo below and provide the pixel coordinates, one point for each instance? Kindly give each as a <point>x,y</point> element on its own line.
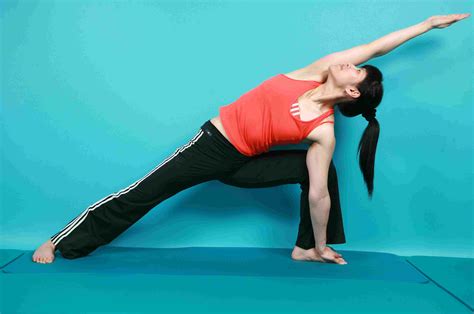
<point>306,75</point>
<point>322,132</point>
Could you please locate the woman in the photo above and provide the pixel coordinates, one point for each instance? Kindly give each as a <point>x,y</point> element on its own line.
<point>234,148</point>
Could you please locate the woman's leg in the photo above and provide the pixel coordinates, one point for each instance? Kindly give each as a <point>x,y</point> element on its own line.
<point>205,157</point>
<point>285,167</point>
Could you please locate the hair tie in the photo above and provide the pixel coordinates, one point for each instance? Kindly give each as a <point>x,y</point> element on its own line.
<point>369,114</point>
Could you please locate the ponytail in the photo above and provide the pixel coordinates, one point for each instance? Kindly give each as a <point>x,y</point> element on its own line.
<point>366,150</point>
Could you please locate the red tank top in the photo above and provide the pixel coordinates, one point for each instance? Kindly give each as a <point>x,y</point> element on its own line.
<point>268,115</point>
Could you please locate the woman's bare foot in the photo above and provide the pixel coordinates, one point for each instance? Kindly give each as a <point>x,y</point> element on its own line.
<point>45,253</point>
<point>300,254</point>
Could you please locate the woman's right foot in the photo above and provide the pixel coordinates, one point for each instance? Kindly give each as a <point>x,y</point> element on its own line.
<point>45,253</point>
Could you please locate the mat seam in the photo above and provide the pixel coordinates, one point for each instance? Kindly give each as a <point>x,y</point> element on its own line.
<point>8,263</point>
<point>443,288</point>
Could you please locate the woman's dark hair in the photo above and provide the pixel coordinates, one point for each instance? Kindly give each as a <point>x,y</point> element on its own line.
<point>371,92</point>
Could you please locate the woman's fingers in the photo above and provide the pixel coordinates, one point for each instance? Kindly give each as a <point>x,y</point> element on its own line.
<point>457,16</point>
<point>442,21</point>
<point>338,260</point>
<point>449,20</point>
<point>462,16</point>
<point>336,253</point>
<point>334,259</point>
<point>328,255</point>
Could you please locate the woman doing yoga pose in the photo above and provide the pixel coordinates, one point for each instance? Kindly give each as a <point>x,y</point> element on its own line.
<point>234,149</point>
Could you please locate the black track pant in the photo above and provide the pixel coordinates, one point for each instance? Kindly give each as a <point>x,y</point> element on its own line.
<point>207,156</point>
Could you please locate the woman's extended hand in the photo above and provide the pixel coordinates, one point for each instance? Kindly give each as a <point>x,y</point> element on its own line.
<point>442,21</point>
<point>328,255</point>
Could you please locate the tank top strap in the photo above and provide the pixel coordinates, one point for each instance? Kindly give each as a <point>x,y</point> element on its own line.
<point>321,118</point>
<point>326,114</point>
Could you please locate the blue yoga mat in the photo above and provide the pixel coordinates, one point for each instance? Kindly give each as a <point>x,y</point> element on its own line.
<point>237,261</point>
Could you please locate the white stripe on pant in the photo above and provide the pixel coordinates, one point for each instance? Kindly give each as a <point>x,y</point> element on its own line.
<point>77,221</point>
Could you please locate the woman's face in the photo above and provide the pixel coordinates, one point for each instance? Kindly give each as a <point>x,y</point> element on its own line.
<point>346,76</point>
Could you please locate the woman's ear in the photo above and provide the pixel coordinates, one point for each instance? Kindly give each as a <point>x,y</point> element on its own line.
<point>352,92</point>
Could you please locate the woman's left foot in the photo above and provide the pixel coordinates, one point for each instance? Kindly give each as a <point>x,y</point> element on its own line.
<point>45,253</point>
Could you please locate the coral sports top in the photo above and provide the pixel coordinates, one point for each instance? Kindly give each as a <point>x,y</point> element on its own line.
<point>268,115</point>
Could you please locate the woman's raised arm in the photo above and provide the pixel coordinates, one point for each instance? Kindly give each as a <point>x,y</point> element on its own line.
<point>364,52</point>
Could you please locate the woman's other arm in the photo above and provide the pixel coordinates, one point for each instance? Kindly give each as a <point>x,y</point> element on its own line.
<point>318,158</point>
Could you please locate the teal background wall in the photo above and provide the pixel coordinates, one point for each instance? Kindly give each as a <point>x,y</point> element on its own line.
<point>96,93</point>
